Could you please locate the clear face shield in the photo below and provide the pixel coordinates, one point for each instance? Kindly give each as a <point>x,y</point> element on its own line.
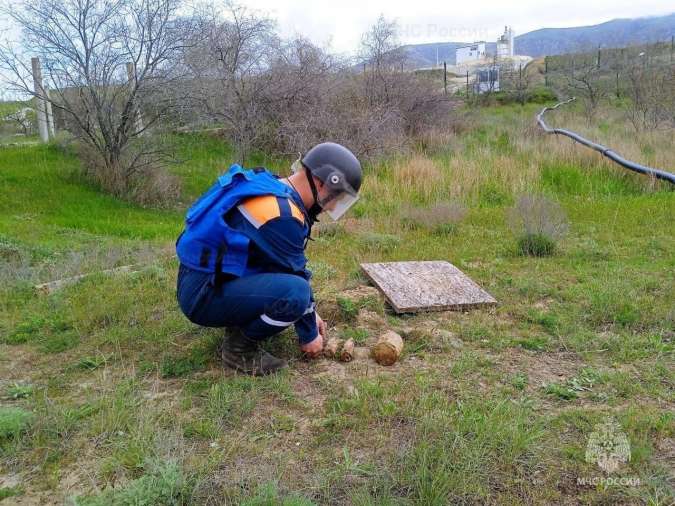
<point>339,197</point>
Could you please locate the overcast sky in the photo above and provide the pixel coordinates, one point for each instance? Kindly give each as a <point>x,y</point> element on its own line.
<point>341,22</point>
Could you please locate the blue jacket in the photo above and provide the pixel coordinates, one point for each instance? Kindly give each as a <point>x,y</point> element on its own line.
<point>208,243</point>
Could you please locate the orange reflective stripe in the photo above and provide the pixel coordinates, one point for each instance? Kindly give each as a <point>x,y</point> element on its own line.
<point>296,212</point>
<point>259,210</point>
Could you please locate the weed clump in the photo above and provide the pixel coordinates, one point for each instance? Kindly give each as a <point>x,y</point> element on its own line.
<point>536,245</point>
<point>166,484</point>
<point>19,391</point>
<point>538,223</point>
<point>376,242</point>
<point>176,367</point>
<point>13,422</point>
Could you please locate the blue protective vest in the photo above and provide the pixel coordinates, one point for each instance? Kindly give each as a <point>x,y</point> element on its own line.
<point>208,244</point>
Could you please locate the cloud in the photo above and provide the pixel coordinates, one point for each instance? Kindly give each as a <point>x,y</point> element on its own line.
<point>344,21</point>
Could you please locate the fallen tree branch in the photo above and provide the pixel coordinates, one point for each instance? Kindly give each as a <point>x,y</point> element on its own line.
<point>605,151</point>
<point>53,286</point>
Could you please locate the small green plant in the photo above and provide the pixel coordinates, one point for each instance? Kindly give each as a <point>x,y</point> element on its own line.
<point>165,484</point>
<point>57,343</point>
<point>6,492</point>
<point>491,194</point>
<point>519,381</point>
<point>536,343</point>
<point>13,422</point>
<point>91,362</point>
<point>358,335</point>
<point>550,321</point>
<point>538,224</point>
<point>348,308</point>
<point>536,245</point>
<point>25,331</point>
<point>268,494</point>
<point>174,367</point>
<point>53,335</point>
<point>206,429</point>
<point>18,391</point>
<point>560,391</point>
<point>372,241</point>
<point>584,381</point>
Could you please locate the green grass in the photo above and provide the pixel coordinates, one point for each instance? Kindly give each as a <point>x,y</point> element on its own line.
<point>6,492</point>
<point>13,422</point>
<point>164,486</point>
<point>107,375</point>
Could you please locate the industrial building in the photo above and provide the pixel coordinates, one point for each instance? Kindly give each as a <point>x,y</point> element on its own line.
<point>505,43</point>
<point>469,53</point>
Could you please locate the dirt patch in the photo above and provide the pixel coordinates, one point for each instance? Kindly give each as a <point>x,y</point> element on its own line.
<point>666,454</point>
<point>541,368</point>
<point>17,364</point>
<point>370,320</point>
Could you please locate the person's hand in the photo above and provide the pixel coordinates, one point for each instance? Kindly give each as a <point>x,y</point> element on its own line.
<point>313,348</point>
<point>321,325</point>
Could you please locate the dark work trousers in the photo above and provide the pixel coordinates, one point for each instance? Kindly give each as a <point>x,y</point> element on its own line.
<point>261,305</point>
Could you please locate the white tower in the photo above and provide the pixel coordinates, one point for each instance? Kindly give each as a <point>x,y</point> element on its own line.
<point>505,43</point>
<point>511,35</point>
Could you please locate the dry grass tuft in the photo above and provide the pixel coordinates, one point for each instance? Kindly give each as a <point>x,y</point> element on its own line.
<point>440,217</point>
<point>418,173</point>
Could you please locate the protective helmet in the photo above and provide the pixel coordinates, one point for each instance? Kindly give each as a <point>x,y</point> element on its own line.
<point>337,168</point>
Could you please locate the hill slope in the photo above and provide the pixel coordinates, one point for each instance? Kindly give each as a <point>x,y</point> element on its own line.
<point>615,33</point>
<point>551,41</point>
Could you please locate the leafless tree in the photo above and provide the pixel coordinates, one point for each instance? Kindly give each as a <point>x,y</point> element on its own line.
<point>106,63</point>
<point>521,80</point>
<point>381,55</point>
<point>650,95</point>
<point>584,77</point>
<point>229,71</point>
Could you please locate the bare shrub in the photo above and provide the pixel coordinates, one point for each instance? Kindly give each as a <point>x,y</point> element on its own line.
<point>580,75</point>
<point>650,93</point>
<point>227,65</point>
<point>139,177</point>
<point>283,96</point>
<point>341,115</point>
<point>538,223</point>
<point>108,66</point>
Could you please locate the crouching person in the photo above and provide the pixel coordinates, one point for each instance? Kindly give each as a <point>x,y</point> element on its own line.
<point>242,253</point>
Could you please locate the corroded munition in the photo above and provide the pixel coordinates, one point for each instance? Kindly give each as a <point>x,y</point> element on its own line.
<point>331,347</point>
<point>388,348</point>
<point>347,353</point>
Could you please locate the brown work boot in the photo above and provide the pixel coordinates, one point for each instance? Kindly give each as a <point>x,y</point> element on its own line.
<point>244,354</point>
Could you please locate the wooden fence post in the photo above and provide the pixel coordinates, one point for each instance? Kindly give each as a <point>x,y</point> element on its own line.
<point>50,113</point>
